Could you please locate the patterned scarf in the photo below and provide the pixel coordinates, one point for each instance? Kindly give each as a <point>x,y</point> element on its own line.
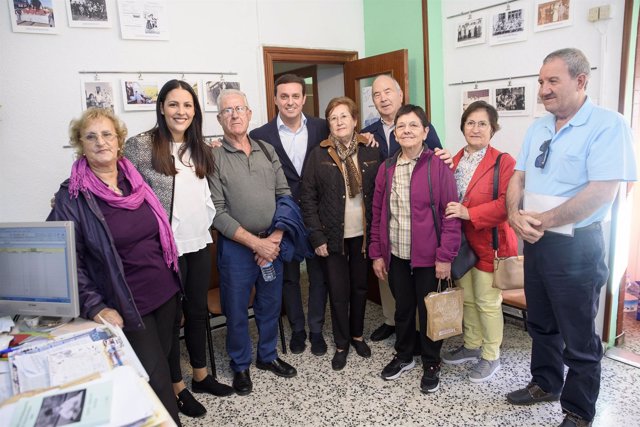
<point>83,179</point>
<point>345,152</point>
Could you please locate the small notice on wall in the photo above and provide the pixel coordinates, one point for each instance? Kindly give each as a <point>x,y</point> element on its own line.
<point>144,19</point>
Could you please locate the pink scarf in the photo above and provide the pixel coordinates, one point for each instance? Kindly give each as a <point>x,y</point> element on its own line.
<point>83,179</point>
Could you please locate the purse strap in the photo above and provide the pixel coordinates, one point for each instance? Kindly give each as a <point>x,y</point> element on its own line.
<point>496,179</point>
<point>432,201</point>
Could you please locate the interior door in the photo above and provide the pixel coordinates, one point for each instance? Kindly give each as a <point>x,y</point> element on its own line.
<point>359,75</point>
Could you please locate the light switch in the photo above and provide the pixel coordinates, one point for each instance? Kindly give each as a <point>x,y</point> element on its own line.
<point>605,12</point>
<point>594,13</point>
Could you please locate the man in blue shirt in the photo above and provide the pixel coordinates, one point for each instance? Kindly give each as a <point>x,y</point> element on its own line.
<point>567,176</point>
<point>294,135</point>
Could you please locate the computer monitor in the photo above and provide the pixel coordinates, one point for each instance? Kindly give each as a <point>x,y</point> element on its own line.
<point>38,273</point>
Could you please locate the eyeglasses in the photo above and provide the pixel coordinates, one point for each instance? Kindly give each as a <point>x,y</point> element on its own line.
<point>481,124</point>
<point>413,126</point>
<point>240,109</point>
<point>541,160</point>
<point>341,117</point>
<point>93,137</point>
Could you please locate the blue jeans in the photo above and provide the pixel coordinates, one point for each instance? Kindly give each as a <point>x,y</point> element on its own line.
<point>238,274</point>
<point>563,278</point>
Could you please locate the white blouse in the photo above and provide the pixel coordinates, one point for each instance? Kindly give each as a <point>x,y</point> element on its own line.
<point>193,209</point>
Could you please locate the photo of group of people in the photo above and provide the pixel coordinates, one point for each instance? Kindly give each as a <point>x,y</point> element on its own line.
<point>471,32</point>
<point>98,94</point>
<point>87,10</point>
<point>33,16</point>
<point>508,27</point>
<point>212,89</point>
<point>509,100</point>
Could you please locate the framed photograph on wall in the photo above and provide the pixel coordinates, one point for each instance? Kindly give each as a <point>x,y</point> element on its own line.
<point>143,20</point>
<point>211,91</point>
<point>97,94</point>
<point>471,31</point>
<point>552,14</point>
<point>508,27</point>
<point>139,95</point>
<point>512,100</point>
<point>539,110</point>
<point>36,16</point>
<point>476,94</point>
<point>88,13</point>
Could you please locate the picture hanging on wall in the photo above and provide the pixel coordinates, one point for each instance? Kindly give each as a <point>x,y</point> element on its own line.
<point>553,14</point>
<point>539,109</point>
<point>139,95</point>
<point>471,31</point>
<point>143,20</point>
<point>35,16</point>
<point>88,13</point>
<point>211,91</point>
<point>97,94</point>
<point>476,94</point>
<point>508,27</point>
<point>511,100</point>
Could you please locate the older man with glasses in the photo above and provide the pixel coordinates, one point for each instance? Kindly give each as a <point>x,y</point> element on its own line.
<point>247,180</point>
<point>566,178</point>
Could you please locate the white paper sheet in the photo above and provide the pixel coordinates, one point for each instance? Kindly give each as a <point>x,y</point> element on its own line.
<point>535,202</point>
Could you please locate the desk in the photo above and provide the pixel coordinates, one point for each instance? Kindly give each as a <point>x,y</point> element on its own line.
<point>115,397</point>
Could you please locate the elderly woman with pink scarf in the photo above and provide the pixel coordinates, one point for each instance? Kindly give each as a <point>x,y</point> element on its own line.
<point>126,256</point>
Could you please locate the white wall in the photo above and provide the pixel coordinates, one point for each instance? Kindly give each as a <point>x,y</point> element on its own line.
<point>601,42</point>
<point>40,89</point>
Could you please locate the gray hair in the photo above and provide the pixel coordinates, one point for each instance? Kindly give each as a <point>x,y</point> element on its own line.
<point>395,82</point>
<point>576,61</point>
<point>228,92</point>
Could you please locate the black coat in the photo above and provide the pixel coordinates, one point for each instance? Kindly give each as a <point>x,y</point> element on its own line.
<point>323,193</point>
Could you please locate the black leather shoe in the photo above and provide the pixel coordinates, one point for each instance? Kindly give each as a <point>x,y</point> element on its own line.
<point>278,367</point>
<point>318,344</point>
<point>531,394</point>
<point>362,348</point>
<point>242,383</point>
<point>572,420</point>
<point>189,406</point>
<point>212,386</point>
<point>297,343</point>
<point>383,332</point>
<point>339,360</point>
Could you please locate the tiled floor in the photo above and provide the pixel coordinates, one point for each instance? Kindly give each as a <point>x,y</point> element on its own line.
<point>357,396</point>
<point>631,327</point>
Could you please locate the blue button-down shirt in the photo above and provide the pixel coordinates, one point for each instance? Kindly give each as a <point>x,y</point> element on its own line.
<point>294,143</point>
<point>595,145</point>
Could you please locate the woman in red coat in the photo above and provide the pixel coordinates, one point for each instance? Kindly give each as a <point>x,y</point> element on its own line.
<point>474,169</point>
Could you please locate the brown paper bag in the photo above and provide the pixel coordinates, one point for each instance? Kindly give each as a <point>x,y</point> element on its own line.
<point>444,312</point>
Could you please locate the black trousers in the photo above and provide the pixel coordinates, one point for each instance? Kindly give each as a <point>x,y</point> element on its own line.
<point>409,287</point>
<point>292,295</point>
<point>195,272</point>
<point>152,345</point>
<point>563,277</point>
<point>346,276</point>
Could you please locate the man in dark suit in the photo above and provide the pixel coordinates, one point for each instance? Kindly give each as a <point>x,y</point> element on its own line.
<point>387,97</point>
<point>294,135</point>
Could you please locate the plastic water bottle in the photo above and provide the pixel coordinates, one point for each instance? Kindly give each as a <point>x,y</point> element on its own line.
<point>268,272</point>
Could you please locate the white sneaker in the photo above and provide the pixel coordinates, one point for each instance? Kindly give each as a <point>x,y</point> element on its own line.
<point>460,355</point>
<point>484,370</point>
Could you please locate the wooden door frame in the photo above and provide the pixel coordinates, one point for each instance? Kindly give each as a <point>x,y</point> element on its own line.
<point>273,54</point>
<point>425,50</point>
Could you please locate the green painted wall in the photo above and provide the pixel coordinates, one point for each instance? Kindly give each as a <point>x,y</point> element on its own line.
<point>397,24</point>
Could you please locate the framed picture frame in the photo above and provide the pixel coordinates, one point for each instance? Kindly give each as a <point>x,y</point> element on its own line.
<point>552,14</point>
<point>139,95</point>
<point>88,13</point>
<point>38,17</point>
<point>476,94</point>
<point>212,89</point>
<point>143,20</point>
<point>471,31</point>
<point>538,109</point>
<point>97,94</point>
<point>508,26</point>
<point>512,99</point>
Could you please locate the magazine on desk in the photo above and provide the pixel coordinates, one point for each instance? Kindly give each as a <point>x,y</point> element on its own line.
<point>71,357</point>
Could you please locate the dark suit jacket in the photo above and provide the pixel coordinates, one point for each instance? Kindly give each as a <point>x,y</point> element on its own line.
<point>318,131</point>
<point>377,130</point>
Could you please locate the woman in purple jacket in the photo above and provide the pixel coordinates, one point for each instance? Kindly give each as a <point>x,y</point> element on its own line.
<point>126,256</point>
<point>404,241</point>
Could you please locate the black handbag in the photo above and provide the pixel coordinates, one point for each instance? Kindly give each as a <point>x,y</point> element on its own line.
<point>466,258</point>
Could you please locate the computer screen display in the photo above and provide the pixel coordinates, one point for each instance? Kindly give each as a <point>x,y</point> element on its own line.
<point>38,273</point>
